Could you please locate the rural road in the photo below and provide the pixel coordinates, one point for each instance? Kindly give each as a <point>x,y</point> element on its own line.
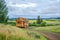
<point>48,35</point>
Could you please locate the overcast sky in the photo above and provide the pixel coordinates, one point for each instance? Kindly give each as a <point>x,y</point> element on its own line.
<point>33,8</point>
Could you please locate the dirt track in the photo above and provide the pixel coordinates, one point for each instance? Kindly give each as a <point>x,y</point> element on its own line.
<point>48,35</point>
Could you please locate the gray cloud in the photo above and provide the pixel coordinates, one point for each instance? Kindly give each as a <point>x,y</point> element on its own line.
<point>44,8</point>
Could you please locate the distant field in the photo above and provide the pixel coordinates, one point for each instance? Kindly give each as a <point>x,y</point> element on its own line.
<point>48,22</point>
<point>8,32</point>
<point>31,21</point>
<point>52,21</point>
<point>52,25</point>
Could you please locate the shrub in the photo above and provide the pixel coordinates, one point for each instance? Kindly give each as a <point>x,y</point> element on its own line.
<point>32,24</point>
<point>43,24</point>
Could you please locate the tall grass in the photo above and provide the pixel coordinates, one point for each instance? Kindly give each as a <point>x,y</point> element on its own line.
<point>8,32</point>
<point>13,33</point>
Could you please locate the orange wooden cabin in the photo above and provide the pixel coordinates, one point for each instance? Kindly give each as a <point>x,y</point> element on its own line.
<point>21,22</point>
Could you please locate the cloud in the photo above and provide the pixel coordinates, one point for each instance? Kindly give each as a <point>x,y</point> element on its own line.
<point>22,5</point>
<point>52,9</point>
<point>44,8</point>
<point>58,0</point>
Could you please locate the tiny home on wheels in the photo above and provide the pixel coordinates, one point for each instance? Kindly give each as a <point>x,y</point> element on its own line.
<point>21,22</point>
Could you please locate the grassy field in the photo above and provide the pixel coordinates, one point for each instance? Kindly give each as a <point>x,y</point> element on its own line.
<point>8,32</point>
<point>53,22</point>
<point>51,25</point>
<point>55,29</point>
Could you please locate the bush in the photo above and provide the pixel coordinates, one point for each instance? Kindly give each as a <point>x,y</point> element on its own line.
<point>43,24</point>
<point>32,24</point>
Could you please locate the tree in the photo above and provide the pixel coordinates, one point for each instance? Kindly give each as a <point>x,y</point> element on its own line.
<point>39,20</point>
<point>3,11</point>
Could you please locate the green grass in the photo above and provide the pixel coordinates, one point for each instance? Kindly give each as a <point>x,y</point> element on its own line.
<point>50,29</point>
<point>8,32</point>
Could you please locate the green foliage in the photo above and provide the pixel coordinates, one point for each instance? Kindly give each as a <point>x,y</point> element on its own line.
<point>43,24</point>
<point>3,11</point>
<point>6,20</point>
<point>32,24</point>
